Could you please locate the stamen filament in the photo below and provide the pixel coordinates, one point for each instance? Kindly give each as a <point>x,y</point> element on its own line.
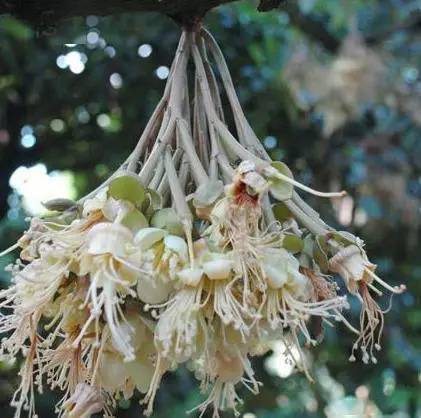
<point>396,289</point>
<point>10,249</point>
<point>289,180</point>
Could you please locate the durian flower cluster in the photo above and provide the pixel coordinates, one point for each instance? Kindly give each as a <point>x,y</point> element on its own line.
<point>197,251</point>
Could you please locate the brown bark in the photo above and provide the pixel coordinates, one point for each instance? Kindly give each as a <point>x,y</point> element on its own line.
<point>47,12</point>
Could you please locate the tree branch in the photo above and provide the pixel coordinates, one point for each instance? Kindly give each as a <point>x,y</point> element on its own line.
<point>51,11</point>
<point>48,12</point>
<point>313,28</point>
<point>45,14</point>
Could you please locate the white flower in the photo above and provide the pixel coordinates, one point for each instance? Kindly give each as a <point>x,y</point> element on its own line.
<point>220,267</point>
<point>282,270</point>
<point>112,277</point>
<point>107,238</point>
<point>96,203</point>
<point>354,267</point>
<point>85,402</point>
<point>190,277</point>
<point>358,273</point>
<point>213,266</point>
<point>116,374</point>
<point>289,301</point>
<point>147,237</point>
<point>352,264</point>
<point>161,256</point>
<point>181,329</point>
<point>153,289</point>
<point>225,371</point>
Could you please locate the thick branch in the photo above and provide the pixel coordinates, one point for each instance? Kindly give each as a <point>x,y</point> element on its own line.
<point>51,11</point>
<point>48,12</point>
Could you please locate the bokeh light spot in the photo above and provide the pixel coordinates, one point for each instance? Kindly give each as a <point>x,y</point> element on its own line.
<point>28,141</point>
<point>144,50</point>
<point>36,186</point>
<point>270,142</point>
<point>116,80</point>
<point>92,20</point>
<point>162,72</point>
<point>103,120</point>
<point>92,37</point>
<point>110,51</point>
<point>57,125</point>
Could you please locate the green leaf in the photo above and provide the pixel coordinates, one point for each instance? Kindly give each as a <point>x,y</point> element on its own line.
<point>292,243</point>
<point>127,187</point>
<point>280,189</point>
<point>281,212</point>
<point>168,219</point>
<point>135,220</point>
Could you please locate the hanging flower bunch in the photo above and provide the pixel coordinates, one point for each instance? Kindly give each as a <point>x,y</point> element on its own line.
<point>197,251</point>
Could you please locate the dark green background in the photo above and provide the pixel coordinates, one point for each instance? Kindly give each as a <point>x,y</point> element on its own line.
<point>374,153</point>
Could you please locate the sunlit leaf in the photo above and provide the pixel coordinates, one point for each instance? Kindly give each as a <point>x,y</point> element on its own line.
<point>128,188</point>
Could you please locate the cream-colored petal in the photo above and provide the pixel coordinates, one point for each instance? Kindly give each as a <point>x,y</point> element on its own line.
<point>276,277</point>
<point>108,238</point>
<point>141,372</point>
<point>153,290</point>
<point>147,237</point>
<point>113,372</point>
<point>218,269</point>
<point>135,329</point>
<point>190,277</point>
<point>177,245</point>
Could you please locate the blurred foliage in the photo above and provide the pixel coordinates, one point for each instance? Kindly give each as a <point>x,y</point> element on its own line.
<point>348,119</point>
